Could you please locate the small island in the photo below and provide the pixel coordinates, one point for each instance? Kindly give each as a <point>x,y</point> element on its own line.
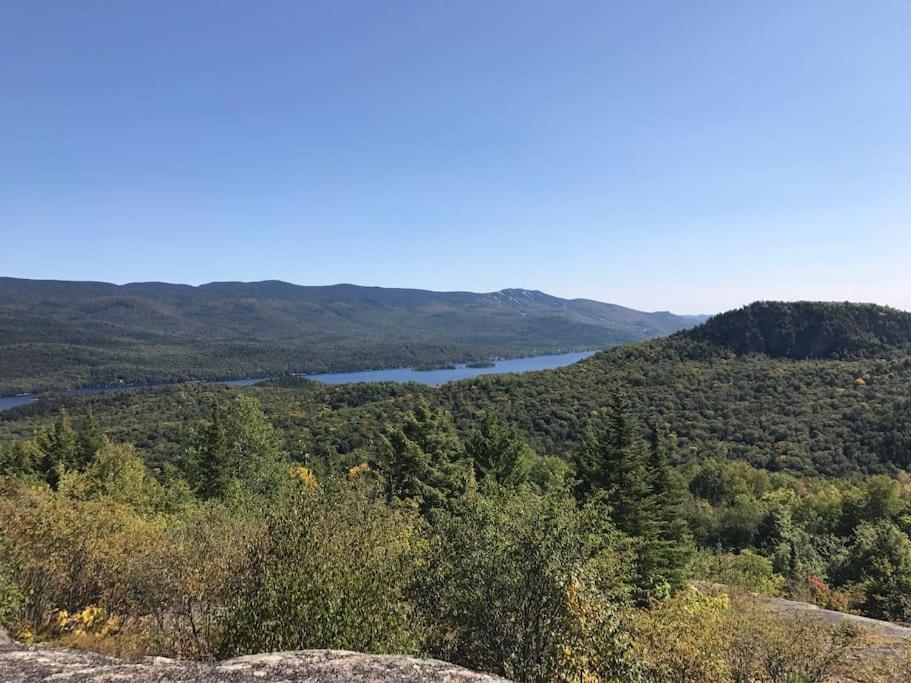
<point>481,364</point>
<point>428,367</point>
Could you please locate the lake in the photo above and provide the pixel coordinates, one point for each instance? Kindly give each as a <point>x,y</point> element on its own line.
<point>430,377</point>
<point>437,377</point>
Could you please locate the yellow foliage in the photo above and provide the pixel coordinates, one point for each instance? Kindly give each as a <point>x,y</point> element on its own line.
<point>358,470</point>
<point>305,475</point>
<point>601,648</point>
<point>91,619</point>
<point>701,639</point>
<point>685,639</point>
<point>79,562</point>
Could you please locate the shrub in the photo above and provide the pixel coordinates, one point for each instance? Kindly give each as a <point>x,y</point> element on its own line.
<point>331,570</point>
<point>712,639</point>
<point>524,584</point>
<point>783,648</point>
<point>746,570</point>
<point>684,638</point>
<point>161,578</point>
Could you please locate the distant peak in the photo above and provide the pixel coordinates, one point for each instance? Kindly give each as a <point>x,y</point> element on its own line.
<point>534,294</point>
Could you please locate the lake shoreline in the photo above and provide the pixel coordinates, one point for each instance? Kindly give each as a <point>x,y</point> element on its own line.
<point>215,379</point>
<point>430,377</point>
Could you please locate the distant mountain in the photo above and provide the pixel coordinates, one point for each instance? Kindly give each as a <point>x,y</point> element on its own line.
<point>56,334</point>
<point>806,329</point>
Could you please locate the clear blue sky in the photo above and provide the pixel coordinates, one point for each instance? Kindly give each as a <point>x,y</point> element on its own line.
<point>690,156</point>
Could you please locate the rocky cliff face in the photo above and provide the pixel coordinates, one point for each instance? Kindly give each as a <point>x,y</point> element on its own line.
<point>27,663</point>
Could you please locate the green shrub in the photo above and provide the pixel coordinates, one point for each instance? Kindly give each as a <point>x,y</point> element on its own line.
<point>523,585</point>
<point>331,570</point>
<point>746,569</point>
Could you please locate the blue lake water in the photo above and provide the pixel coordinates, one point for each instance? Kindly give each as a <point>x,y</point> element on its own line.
<point>430,377</point>
<point>436,377</point>
<point>10,402</point>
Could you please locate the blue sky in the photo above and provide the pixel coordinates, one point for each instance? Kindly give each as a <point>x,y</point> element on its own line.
<point>664,155</point>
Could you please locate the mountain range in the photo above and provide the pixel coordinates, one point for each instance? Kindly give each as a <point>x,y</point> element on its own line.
<point>59,334</point>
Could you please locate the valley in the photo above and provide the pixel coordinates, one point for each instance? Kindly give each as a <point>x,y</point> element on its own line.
<point>61,335</point>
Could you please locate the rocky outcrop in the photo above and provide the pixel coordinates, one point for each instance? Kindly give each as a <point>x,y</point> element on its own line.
<point>28,663</point>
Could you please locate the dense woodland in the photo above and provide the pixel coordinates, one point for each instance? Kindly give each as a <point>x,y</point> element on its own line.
<point>831,416</point>
<point>57,335</point>
<point>545,526</point>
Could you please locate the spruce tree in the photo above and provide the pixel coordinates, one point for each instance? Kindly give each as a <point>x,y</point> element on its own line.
<point>90,439</point>
<point>675,548</point>
<point>613,464</point>
<point>20,457</point>
<point>616,465</point>
<point>59,448</point>
<point>420,460</point>
<point>498,453</point>
<point>211,474</point>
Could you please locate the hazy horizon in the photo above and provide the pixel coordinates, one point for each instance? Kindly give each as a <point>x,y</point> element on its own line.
<point>663,157</point>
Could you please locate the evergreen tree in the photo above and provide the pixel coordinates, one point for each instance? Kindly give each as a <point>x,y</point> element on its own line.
<point>59,448</point>
<point>674,549</point>
<point>433,430</point>
<point>212,475</point>
<point>237,451</point>
<point>645,496</point>
<point>498,453</point>
<point>420,460</point>
<point>89,440</point>
<point>613,463</point>
<point>63,447</point>
<point>21,456</point>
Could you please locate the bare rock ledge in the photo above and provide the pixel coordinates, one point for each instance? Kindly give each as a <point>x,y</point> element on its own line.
<point>28,663</point>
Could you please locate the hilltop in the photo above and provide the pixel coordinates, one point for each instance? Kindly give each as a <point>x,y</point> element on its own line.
<point>57,334</point>
<point>807,329</point>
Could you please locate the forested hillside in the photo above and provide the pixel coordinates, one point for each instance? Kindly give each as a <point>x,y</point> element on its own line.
<point>806,329</point>
<point>717,394</point>
<point>56,334</point>
<point>235,548</point>
<point>811,416</point>
<point>211,521</point>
